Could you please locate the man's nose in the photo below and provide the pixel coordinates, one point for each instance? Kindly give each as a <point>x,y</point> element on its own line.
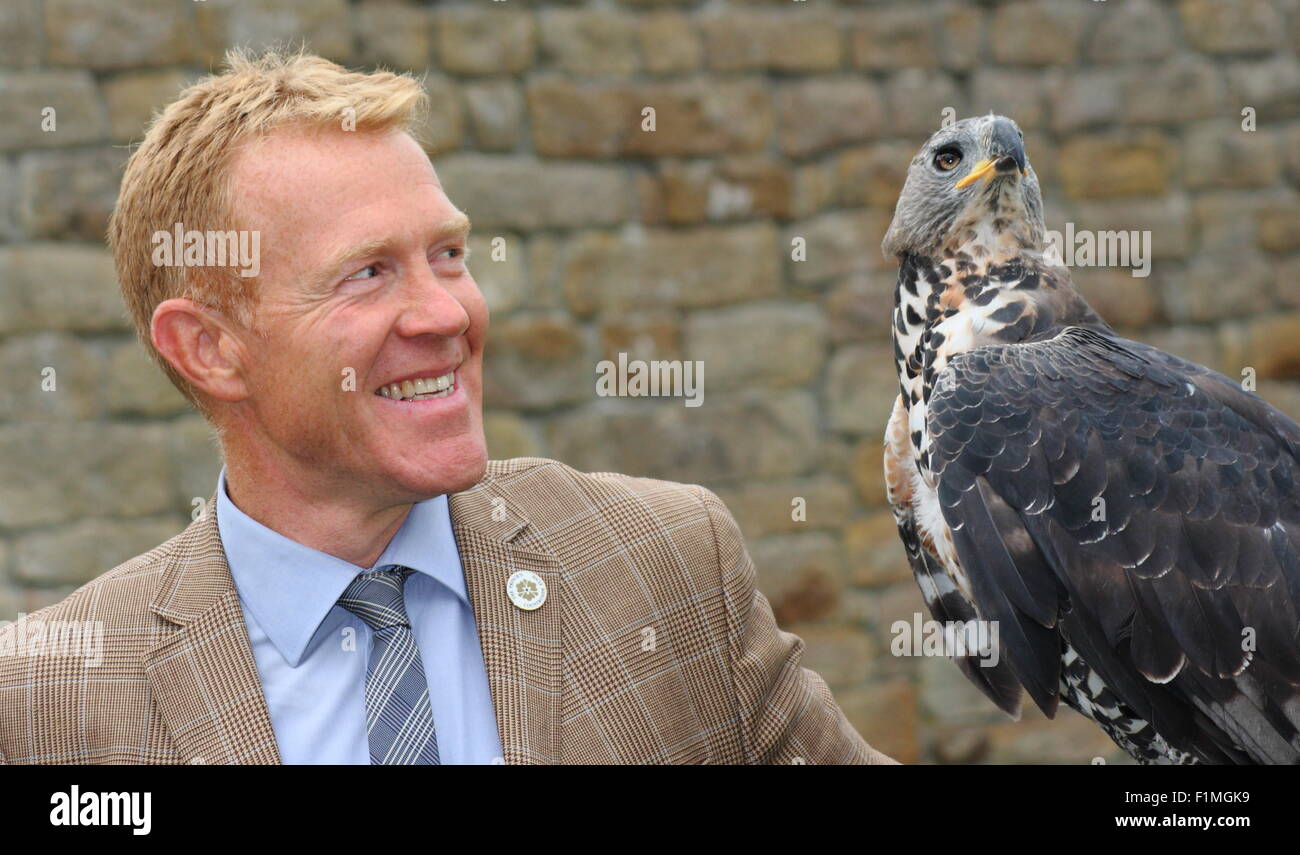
<point>430,306</point>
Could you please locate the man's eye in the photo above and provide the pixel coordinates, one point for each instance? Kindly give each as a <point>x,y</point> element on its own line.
<point>947,159</point>
<point>453,253</point>
<point>373,269</point>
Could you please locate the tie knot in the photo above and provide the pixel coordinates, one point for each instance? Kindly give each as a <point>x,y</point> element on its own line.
<point>376,598</point>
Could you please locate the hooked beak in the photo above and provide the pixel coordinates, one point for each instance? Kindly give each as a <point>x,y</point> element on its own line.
<point>1008,154</point>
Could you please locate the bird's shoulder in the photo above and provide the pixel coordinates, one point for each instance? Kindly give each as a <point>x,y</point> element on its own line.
<point>1092,368</point>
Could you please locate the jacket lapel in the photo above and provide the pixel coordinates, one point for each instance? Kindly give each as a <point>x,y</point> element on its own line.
<point>204,678</point>
<point>521,649</point>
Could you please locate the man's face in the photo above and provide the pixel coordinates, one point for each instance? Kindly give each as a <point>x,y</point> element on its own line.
<point>363,284</point>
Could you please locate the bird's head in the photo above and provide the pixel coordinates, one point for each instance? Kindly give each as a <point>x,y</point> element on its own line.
<point>971,180</point>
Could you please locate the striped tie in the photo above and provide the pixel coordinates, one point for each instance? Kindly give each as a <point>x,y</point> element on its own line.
<point>399,721</point>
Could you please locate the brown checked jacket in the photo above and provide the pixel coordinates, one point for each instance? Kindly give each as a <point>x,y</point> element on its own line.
<point>573,681</point>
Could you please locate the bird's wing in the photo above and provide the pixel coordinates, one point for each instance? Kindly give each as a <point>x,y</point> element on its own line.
<point>1146,508</point>
<point>949,606</point>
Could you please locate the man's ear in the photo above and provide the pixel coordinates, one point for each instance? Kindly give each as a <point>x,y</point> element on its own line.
<point>202,346</point>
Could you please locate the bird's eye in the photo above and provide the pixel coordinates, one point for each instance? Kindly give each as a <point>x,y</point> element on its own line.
<point>947,159</point>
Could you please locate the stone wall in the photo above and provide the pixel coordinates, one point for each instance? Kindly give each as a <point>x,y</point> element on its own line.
<point>776,120</point>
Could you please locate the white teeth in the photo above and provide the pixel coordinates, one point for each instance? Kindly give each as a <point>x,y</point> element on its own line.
<point>421,389</point>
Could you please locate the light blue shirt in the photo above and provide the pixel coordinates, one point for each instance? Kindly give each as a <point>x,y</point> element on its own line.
<point>311,653</point>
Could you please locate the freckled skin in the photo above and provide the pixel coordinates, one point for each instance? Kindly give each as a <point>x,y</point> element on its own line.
<point>336,469</point>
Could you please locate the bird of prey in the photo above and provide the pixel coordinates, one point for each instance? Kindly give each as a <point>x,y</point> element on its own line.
<point>1130,520</point>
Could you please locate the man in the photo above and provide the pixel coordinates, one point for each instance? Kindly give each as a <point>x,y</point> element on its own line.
<point>365,586</point>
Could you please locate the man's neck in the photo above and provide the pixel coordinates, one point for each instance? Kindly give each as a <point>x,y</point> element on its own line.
<point>314,515</point>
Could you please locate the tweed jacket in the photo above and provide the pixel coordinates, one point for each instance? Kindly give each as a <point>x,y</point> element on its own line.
<point>653,645</point>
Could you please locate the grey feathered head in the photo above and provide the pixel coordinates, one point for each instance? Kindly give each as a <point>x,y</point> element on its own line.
<point>960,174</point>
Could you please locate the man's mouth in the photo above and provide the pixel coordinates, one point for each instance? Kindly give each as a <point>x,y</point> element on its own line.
<point>422,389</point>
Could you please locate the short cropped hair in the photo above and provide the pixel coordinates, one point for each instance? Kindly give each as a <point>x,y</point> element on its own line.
<point>180,173</point>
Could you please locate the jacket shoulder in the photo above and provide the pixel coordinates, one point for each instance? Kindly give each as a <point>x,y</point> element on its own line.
<point>49,657</point>
<point>115,600</point>
<point>113,596</point>
<point>537,484</point>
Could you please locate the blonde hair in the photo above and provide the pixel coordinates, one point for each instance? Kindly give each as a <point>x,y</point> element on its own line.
<point>180,173</point>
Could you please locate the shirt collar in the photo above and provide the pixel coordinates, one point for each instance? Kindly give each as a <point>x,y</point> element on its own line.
<point>289,588</point>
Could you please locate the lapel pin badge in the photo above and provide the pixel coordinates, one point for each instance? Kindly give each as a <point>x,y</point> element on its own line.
<point>526,590</point>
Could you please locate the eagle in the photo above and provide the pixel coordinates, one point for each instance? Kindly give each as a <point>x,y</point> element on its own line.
<point>1128,521</point>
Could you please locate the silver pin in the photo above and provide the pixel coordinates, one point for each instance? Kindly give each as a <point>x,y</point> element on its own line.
<point>526,590</point>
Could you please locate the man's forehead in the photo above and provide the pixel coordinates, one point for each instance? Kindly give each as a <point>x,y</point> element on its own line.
<point>290,165</point>
<point>291,139</point>
<point>293,176</point>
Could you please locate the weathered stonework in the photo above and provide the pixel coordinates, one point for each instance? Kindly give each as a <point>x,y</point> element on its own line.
<point>742,229</point>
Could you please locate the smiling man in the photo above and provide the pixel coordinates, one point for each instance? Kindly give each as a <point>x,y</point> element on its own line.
<point>365,586</point>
